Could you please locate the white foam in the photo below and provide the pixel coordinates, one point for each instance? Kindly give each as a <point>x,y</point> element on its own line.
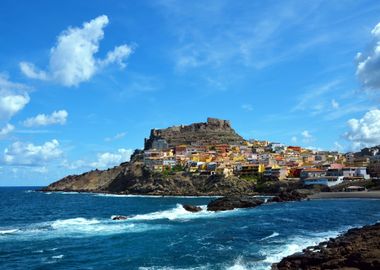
<point>57,257</point>
<point>238,265</point>
<point>8,231</point>
<point>180,213</point>
<point>275,234</point>
<point>294,245</point>
<point>76,227</point>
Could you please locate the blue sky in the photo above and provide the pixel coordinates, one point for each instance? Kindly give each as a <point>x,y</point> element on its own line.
<point>83,82</point>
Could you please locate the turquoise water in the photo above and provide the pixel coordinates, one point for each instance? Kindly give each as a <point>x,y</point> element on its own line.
<point>74,231</point>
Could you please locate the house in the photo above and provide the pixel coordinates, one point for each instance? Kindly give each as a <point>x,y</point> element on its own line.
<point>312,173</point>
<point>328,181</point>
<point>355,172</point>
<point>249,169</point>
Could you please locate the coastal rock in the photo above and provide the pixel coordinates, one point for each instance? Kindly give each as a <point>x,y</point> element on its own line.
<point>288,195</point>
<point>356,249</point>
<point>119,217</point>
<point>232,202</point>
<point>191,208</point>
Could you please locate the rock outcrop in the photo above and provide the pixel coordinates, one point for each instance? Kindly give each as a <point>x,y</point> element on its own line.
<point>356,249</point>
<point>287,196</point>
<point>232,202</point>
<point>214,131</point>
<point>192,208</point>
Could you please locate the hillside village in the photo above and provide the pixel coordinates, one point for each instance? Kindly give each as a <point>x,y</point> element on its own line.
<point>257,160</point>
<point>210,158</point>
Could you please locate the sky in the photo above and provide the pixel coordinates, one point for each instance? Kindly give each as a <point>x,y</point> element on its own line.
<point>83,82</point>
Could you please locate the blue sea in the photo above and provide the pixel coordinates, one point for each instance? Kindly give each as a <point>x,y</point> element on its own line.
<point>75,231</point>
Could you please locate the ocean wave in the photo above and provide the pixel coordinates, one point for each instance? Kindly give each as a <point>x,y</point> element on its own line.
<point>181,213</point>
<point>74,227</point>
<point>8,231</point>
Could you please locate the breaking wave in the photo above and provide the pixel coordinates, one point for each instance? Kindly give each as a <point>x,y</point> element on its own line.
<point>74,227</point>
<point>180,213</point>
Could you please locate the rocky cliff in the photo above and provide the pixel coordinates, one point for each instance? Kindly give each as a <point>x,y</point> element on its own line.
<point>214,131</point>
<point>97,180</point>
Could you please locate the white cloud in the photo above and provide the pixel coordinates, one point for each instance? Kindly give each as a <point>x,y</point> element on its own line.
<point>338,147</point>
<point>57,117</point>
<point>72,60</point>
<point>8,128</point>
<point>368,63</point>
<point>306,134</point>
<point>31,71</point>
<point>307,137</point>
<point>314,98</point>
<point>110,159</point>
<point>118,136</point>
<point>334,104</point>
<point>294,139</point>
<point>13,97</point>
<point>247,107</point>
<point>364,132</point>
<point>28,154</point>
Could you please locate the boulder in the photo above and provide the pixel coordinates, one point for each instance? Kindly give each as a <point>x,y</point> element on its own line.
<point>232,202</point>
<point>191,208</point>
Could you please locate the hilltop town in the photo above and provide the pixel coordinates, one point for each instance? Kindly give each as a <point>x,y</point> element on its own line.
<point>211,158</point>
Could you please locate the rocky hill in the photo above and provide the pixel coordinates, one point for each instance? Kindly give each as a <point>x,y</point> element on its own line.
<point>214,131</point>
<point>132,178</point>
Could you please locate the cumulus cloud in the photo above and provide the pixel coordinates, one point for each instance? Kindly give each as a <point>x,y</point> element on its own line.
<point>28,154</point>
<point>13,97</point>
<point>8,128</point>
<point>57,117</point>
<point>73,60</point>
<point>110,159</point>
<point>368,63</point>
<point>364,132</point>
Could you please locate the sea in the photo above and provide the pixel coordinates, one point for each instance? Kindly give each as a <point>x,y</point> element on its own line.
<point>75,231</point>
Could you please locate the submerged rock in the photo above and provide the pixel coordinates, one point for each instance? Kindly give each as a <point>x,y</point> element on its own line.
<point>356,249</point>
<point>232,202</point>
<point>191,208</point>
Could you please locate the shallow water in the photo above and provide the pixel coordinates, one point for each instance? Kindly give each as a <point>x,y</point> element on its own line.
<point>74,231</point>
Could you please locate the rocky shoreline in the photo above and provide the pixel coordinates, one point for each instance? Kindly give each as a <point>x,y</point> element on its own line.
<point>356,249</point>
